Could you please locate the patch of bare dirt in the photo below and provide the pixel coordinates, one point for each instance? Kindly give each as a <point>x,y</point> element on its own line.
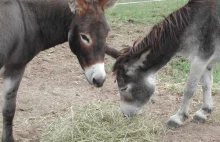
<point>53,82</point>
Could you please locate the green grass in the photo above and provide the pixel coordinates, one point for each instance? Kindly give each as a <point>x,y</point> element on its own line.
<point>217,74</point>
<point>109,64</point>
<point>177,71</point>
<point>143,13</point>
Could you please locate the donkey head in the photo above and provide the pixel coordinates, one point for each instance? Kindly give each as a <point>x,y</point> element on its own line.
<point>87,37</point>
<point>135,85</point>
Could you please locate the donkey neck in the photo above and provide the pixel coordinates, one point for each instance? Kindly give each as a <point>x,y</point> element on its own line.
<point>49,19</point>
<point>164,39</point>
<point>161,56</point>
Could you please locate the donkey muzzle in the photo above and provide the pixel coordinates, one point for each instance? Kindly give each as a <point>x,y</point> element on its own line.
<point>95,74</point>
<point>128,109</point>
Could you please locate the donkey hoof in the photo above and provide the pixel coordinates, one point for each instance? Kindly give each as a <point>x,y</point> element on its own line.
<point>172,124</point>
<point>202,115</point>
<point>177,120</point>
<point>199,119</point>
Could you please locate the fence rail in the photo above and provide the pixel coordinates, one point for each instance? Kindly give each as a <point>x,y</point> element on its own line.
<point>125,3</point>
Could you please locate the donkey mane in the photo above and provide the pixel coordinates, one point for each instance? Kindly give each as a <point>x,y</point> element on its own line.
<point>170,28</point>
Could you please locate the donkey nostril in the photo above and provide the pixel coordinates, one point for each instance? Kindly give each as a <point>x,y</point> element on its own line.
<point>94,81</point>
<point>98,82</point>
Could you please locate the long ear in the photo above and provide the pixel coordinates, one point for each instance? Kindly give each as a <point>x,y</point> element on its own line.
<point>108,3</point>
<point>111,52</point>
<point>78,5</point>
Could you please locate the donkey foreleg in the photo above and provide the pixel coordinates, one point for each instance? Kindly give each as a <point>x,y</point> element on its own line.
<point>196,70</point>
<point>11,81</point>
<point>207,107</point>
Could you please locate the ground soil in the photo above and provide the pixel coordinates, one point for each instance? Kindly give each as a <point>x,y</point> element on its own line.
<point>53,82</point>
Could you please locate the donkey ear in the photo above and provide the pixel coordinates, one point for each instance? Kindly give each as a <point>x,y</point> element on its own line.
<point>111,52</point>
<point>108,3</point>
<point>78,5</point>
<point>72,5</point>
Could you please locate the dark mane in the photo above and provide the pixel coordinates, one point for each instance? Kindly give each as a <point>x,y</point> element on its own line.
<point>170,28</point>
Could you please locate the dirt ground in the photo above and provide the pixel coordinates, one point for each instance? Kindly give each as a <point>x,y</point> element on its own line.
<point>54,81</point>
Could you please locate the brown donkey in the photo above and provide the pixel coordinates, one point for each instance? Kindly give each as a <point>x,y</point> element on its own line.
<point>30,26</point>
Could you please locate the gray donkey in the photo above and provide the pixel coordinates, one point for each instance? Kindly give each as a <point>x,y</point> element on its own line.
<point>30,26</point>
<point>192,32</point>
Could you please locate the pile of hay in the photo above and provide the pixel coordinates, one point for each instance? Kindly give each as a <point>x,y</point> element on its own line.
<point>103,122</point>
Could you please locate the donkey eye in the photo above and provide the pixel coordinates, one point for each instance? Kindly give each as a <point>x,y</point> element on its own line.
<point>85,38</point>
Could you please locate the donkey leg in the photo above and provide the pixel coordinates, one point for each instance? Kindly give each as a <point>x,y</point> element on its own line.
<point>196,70</point>
<point>11,81</point>
<point>207,107</point>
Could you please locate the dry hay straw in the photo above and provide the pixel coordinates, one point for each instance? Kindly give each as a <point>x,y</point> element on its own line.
<point>103,122</point>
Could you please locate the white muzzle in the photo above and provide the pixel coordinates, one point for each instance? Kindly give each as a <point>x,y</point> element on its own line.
<point>95,74</point>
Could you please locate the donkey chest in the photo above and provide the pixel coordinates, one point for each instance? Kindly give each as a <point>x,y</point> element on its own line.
<point>192,47</point>
<point>188,48</point>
